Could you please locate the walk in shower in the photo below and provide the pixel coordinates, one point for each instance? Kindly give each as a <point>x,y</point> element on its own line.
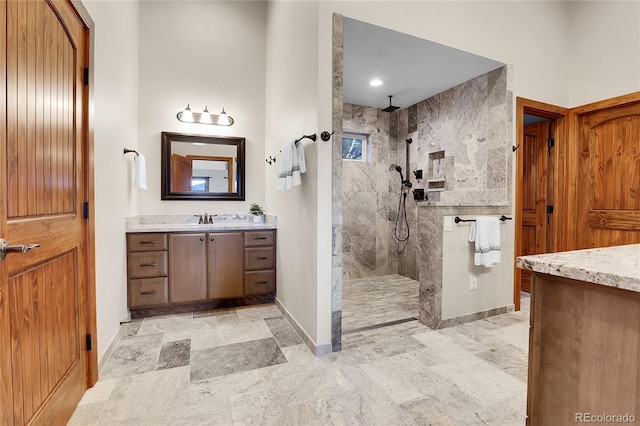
<point>451,145</point>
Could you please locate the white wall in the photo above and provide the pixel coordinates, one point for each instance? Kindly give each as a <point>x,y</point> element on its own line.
<point>291,111</point>
<point>495,284</point>
<point>605,50</point>
<point>115,86</point>
<point>205,53</point>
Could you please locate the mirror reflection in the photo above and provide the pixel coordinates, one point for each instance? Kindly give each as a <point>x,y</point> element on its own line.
<point>201,167</point>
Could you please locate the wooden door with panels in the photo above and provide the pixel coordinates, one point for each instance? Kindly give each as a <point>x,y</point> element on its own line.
<point>47,304</point>
<point>539,184</point>
<point>607,198</point>
<point>535,149</point>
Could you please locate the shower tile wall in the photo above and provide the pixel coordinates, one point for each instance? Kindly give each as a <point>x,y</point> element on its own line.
<point>470,123</point>
<point>367,248</point>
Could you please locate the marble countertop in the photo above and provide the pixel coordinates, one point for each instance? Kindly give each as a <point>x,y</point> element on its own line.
<point>617,266</point>
<point>188,223</point>
<point>181,227</point>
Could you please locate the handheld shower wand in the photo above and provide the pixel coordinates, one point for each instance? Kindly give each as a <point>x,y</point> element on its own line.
<point>402,208</point>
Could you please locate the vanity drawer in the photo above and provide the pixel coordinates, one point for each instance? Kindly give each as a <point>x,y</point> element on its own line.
<point>259,238</point>
<point>259,258</point>
<point>146,264</point>
<point>147,242</point>
<point>146,292</point>
<point>259,282</point>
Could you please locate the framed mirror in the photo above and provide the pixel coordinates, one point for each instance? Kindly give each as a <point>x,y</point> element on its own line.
<point>198,167</point>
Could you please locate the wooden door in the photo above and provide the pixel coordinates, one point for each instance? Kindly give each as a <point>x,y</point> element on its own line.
<point>608,175</point>
<point>225,265</point>
<point>534,193</point>
<point>45,294</point>
<point>187,268</point>
<point>180,173</point>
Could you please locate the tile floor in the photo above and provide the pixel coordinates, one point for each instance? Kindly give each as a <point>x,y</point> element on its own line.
<point>248,366</point>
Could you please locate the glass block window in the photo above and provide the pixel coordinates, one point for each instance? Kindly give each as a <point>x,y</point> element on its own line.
<point>354,146</point>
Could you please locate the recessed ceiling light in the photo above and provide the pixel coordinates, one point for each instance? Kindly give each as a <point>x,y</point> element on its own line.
<point>375,83</point>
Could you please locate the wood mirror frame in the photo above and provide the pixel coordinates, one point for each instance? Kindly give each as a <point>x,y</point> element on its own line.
<point>172,190</point>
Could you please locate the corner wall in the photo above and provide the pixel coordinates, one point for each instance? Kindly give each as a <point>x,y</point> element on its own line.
<point>292,111</point>
<point>115,80</point>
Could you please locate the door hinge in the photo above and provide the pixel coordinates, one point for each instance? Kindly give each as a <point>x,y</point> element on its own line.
<point>89,342</point>
<point>85,75</point>
<point>85,210</point>
<point>551,142</point>
<point>549,209</point>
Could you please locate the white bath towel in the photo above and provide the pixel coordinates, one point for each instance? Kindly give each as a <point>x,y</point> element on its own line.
<point>292,164</point>
<point>140,172</point>
<point>485,233</point>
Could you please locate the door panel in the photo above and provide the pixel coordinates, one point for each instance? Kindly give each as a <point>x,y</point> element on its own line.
<point>608,195</point>
<point>43,293</point>
<point>45,344</point>
<point>180,173</point>
<point>535,167</point>
<point>187,268</point>
<point>225,264</point>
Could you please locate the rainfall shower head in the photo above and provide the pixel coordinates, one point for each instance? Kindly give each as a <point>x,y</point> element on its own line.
<point>390,108</point>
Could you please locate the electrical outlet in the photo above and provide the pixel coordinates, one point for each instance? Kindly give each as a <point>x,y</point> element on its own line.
<point>473,282</point>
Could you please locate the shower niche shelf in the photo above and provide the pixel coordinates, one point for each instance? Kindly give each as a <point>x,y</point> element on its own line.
<point>434,185</point>
<point>436,163</point>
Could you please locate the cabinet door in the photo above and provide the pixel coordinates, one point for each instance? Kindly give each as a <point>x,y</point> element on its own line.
<point>226,258</point>
<point>187,268</point>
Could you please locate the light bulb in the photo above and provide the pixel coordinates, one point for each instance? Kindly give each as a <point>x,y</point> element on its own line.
<point>186,115</point>
<point>205,117</point>
<point>223,119</point>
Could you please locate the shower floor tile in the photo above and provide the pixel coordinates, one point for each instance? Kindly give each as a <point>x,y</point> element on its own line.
<point>369,302</point>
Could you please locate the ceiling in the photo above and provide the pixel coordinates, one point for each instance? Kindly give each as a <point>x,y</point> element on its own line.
<point>411,69</point>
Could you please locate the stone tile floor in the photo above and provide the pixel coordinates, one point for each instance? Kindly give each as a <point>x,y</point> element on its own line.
<point>248,366</point>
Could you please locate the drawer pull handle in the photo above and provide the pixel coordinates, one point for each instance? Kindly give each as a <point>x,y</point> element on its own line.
<point>259,258</point>
<point>261,282</point>
<point>146,293</point>
<point>260,238</point>
<point>148,242</point>
<point>148,265</point>
<point>201,238</point>
<point>212,239</point>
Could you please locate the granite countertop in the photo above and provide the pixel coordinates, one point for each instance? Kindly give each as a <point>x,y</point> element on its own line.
<point>188,223</point>
<point>617,266</point>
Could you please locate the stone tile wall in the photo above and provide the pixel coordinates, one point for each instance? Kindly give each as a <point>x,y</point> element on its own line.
<point>367,246</point>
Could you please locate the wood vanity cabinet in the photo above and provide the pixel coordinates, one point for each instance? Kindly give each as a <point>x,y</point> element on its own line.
<point>259,262</point>
<point>225,265</point>
<point>176,268</point>
<point>147,270</point>
<point>187,274</point>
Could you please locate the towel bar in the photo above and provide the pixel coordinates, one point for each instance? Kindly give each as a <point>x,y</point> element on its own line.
<point>458,220</point>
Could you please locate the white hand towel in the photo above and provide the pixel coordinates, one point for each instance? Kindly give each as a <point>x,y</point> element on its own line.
<point>140,172</point>
<point>285,175</point>
<point>485,233</point>
<point>292,164</point>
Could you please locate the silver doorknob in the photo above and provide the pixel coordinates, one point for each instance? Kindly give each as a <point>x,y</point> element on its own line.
<point>6,248</point>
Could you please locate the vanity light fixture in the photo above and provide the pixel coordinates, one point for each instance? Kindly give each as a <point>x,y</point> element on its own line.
<point>187,116</point>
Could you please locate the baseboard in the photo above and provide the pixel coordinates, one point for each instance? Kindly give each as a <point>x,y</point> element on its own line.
<point>317,350</point>
<point>450,322</point>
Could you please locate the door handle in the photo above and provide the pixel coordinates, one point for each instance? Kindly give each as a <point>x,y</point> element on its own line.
<point>6,248</point>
